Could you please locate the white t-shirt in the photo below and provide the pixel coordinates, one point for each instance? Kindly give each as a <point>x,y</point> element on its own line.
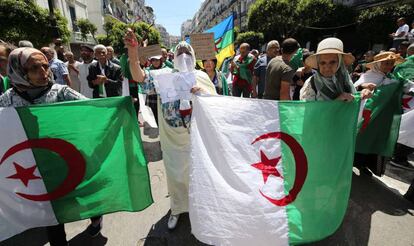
<point>74,77</point>
<point>404,28</point>
<point>83,74</point>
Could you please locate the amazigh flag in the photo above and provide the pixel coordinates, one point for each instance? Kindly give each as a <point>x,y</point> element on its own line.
<point>69,161</point>
<point>268,172</point>
<point>224,38</point>
<point>381,115</point>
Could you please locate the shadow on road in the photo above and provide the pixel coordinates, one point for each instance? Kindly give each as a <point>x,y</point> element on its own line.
<point>38,237</point>
<point>368,195</point>
<point>84,238</point>
<point>152,151</point>
<point>181,235</point>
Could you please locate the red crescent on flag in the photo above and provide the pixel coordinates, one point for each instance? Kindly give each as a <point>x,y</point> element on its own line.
<point>68,152</point>
<point>301,164</point>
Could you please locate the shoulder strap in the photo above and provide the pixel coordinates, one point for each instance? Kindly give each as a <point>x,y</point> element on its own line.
<point>312,82</point>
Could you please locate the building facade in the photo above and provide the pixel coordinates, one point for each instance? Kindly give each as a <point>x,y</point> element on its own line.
<point>213,12</point>
<point>72,10</point>
<point>165,36</point>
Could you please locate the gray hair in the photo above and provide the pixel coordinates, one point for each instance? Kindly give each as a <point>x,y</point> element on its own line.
<point>68,53</point>
<point>99,47</point>
<point>272,43</point>
<point>25,43</point>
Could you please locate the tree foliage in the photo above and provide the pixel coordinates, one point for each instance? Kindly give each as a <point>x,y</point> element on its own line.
<point>255,39</point>
<point>116,29</point>
<point>376,23</point>
<point>274,18</point>
<point>280,19</point>
<point>25,20</point>
<point>86,27</point>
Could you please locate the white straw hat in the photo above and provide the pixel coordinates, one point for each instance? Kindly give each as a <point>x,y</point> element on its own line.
<point>330,46</point>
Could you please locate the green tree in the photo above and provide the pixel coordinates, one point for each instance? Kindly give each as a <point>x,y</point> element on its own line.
<point>302,19</point>
<point>376,23</point>
<point>86,27</point>
<point>24,19</point>
<point>321,18</point>
<point>116,29</point>
<point>103,39</point>
<point>255,39</point>
<point>276,19</point>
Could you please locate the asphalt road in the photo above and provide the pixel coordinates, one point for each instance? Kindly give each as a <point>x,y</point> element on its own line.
<point>377,214</point>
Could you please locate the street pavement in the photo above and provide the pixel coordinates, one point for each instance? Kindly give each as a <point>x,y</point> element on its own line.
<point>377,214</point>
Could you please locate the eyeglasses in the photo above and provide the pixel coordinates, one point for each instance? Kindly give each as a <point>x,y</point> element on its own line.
<point>330,63</point>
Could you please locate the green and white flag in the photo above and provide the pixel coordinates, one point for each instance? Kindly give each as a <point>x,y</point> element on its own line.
<point>267,172</point>
<point>69,161</point>
<point>381,115</point>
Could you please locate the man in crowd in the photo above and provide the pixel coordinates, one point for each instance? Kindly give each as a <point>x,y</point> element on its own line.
<point>242,68</point>
<point>60,50</point>
<point>259,78</point>
<point>111,56</point>
<point>361,68</point>
<point>165,59</point>
<point>87,59</point>
<point>279,74</point>
<point>402,49</point>
<point>401,34</point>
<point>5,50</point>
<point>59,69</point>
<point>73,67</point>
<point>105,77</point>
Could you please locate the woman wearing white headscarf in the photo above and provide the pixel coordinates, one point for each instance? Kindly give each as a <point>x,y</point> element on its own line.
<point>174,123</point>
<point>31,82</point>
<point>332,80</point>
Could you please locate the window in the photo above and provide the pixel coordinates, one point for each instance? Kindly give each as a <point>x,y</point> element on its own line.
<point>73,18</point>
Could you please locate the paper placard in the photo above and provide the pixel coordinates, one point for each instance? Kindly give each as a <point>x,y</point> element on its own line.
<point>174,86</point>
<point>203,45</point>
<point>152,50</point>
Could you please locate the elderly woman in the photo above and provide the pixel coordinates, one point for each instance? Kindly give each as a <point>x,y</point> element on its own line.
<point>173,123</point>
<point>216,76</point>
<point>378,75</point>
<point>332,80</point>
<point>32,82</point>
<point>380,67</point>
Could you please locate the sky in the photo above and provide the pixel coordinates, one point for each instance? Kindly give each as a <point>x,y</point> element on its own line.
<point>171,14</point>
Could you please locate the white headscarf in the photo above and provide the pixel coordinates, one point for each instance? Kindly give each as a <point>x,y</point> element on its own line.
<point>184,62</point>
<point>16,67</point>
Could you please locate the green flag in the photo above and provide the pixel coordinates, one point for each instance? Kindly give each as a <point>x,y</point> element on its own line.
<point>70,161</point>
<point>378,132</point>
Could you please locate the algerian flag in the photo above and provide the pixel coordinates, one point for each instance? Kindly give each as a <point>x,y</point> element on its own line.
<point>267,172</point>
<point>69,161</point>
<point>381,121</point>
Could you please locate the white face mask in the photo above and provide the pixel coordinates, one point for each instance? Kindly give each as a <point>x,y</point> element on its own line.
<point>184,63</point>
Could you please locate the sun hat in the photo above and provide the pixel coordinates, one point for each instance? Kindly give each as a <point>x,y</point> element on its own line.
<point>156,57</point>
<point>386,56</point>
<point>329,46</point>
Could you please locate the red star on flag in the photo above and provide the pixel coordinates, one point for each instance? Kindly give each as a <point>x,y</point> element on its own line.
<point>268,167</point>
<point>405,102</point>
<point>24,174</point>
